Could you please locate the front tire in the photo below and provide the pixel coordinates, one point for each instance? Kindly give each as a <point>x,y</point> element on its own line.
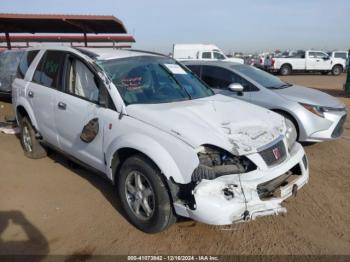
<point>144,195</point>
<point>337,70</point>
<point>30,144</point>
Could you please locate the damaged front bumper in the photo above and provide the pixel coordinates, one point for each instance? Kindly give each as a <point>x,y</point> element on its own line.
<point>243,197</point>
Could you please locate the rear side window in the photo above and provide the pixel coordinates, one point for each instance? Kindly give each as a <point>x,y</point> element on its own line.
<point>49,70</point>
<point>25,62</point>
<point>206,55</point>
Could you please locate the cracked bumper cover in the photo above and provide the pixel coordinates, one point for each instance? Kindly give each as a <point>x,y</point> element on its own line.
<point>212,207</point>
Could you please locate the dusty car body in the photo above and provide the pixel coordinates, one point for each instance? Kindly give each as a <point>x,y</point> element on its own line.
<point>172,146</point>
<point>315,115</point>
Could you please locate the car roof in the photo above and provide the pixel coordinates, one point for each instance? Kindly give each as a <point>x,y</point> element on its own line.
<point>111,53</point>
<point>97,53</point>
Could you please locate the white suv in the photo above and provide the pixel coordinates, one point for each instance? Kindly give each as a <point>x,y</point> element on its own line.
<point>172,146</point>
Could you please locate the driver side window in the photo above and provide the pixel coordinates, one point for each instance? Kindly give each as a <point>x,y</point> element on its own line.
<point>216,77</point>
<point>221,78</point>
<point>81,81</point>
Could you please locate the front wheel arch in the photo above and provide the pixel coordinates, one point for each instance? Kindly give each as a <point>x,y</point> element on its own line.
<point>121,155</point>
<point>289,116</point>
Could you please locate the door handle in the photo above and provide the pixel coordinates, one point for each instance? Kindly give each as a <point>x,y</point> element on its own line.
<point>317,60</point>
<point>62,106</point>
<point>30,94</point>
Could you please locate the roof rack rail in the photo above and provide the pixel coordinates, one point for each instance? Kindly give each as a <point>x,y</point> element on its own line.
<point>147,52</point>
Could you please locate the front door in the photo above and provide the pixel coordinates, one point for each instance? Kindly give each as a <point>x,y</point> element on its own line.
<point>78,115</point>
<point>318,61</point>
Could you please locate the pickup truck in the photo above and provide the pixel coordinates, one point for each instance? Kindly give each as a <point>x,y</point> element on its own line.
<point>183,52</point>
<point>310,61</point>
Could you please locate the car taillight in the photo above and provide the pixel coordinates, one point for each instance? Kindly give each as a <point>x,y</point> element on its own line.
<point>260,60</point>
<point>272,61</point>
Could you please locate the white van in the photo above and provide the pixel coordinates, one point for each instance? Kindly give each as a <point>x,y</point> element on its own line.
<point>201,52</point>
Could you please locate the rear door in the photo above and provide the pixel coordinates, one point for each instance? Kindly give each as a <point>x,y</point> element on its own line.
<point>78,115</point>
<point>42,91</point>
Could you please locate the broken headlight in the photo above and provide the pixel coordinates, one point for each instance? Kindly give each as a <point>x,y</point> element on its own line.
<point>291,134</point>
<point>215,162</point>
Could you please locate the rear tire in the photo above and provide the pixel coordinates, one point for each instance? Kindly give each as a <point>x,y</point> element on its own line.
<point>337,70</point>
<point>30,144</point>
<point>144,195</point>
<point>285,70</point>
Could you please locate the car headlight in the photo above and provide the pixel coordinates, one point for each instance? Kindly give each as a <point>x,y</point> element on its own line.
<point>317,110</point>
<point>291,133</point>
<point>215,162</point>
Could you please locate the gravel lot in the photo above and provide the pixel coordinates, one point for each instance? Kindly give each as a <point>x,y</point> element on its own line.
<point>48,207</point>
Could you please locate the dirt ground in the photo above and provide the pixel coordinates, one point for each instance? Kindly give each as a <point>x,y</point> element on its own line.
<point>47,207</point>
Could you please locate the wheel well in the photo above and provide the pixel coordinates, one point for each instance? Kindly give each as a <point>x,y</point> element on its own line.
<point>121,155</point>
<point>21,112</point>
<point>286,64</point>
<point>338,65</point>
<point>291,117</point>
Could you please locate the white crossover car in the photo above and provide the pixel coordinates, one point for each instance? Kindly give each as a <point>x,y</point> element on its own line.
<point>170,145</point>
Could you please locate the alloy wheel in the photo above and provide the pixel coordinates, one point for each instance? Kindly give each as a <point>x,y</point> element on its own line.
<point>139,195</point>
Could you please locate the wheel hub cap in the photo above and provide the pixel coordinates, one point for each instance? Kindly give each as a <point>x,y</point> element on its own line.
<point>139,195</point>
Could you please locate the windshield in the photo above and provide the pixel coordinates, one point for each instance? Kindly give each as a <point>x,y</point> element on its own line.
<point>263,78</point>
<point>153,80</point>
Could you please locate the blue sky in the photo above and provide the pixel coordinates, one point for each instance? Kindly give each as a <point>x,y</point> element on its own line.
<point>254,25</point>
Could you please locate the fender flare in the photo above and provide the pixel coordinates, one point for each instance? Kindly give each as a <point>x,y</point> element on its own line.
<point>25,104</point>
<point>338,64</point>
<point>287,64</point>
<point>152,149</point>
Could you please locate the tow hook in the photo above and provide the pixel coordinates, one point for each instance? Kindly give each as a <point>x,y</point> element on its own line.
<point>295,190</point>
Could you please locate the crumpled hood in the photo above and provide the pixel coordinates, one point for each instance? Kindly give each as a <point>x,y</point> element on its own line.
<point>309,96</point>
<point>234,125</point>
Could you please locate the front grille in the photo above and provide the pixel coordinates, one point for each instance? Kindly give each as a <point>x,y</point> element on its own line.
<point>338,130</point>
<point>274,154</point>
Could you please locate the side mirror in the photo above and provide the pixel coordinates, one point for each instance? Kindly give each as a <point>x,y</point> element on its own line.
<point>235,87</point>
<point>326,58</point>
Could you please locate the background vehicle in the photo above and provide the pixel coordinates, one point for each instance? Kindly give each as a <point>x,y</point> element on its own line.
<point>340,54</point>
<point>9,61</point>
<point>201,52</point>
<point>171,146</point>
<point>316,116</point>
<point>310,61</point>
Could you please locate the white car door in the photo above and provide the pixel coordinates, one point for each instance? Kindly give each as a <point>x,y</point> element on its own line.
<point>78,115</point>
<point>42,90</point>
<point>320,61</point>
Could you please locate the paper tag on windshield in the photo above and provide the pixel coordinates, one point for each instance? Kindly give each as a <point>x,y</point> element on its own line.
<point>175,69</point>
